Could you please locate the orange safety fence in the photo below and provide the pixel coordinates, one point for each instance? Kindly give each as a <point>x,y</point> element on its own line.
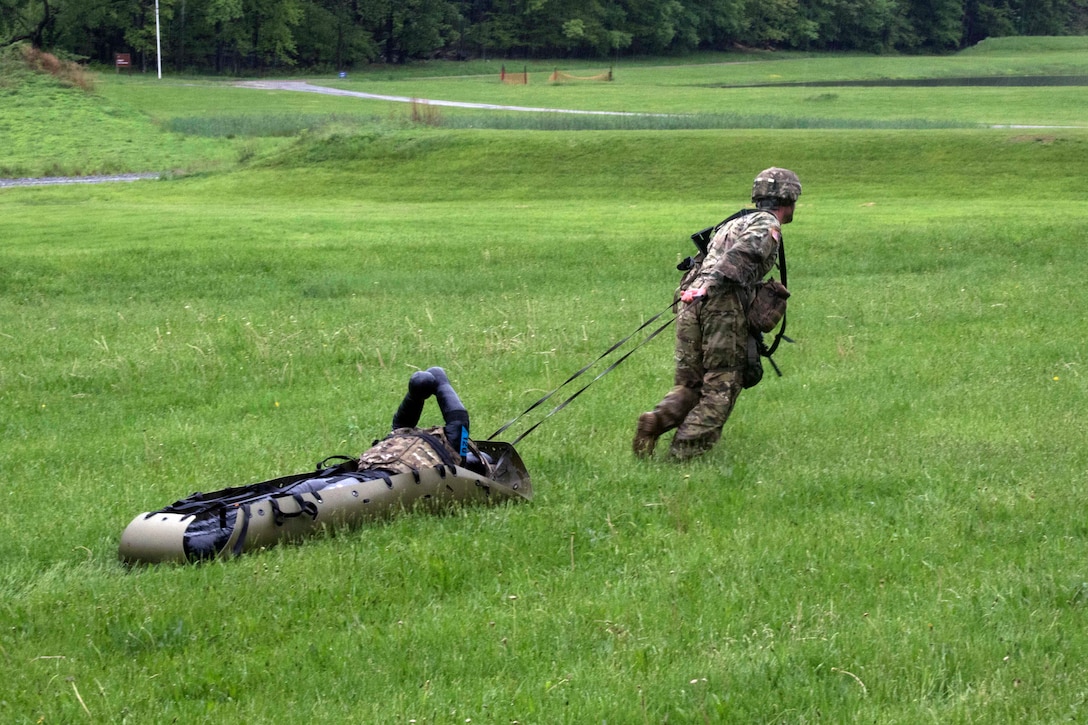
<point>521,79</point>
<point>561,77</point>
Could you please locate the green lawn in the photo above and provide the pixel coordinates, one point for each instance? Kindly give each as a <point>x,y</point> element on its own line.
<point>892,532</point>
<point>213,124</point>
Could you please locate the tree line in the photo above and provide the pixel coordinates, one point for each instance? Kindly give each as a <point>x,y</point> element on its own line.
<point>236,36</point>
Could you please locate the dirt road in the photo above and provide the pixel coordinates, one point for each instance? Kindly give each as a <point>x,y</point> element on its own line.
<point>305,87</point>
<point>54,180</point>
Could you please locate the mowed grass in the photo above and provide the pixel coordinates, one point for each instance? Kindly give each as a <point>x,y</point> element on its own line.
<point>180,125</point>
<point>892,532</point>
<point>723,87</point>
<point>709,96</point>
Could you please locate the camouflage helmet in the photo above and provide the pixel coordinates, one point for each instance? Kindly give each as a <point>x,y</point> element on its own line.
<point>778,184</point>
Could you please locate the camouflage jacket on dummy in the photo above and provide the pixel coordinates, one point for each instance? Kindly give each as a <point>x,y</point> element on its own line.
<point>410,449</point>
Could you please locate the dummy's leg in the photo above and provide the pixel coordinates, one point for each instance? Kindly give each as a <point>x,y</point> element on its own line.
<point>421,386</point>
<point>453,411</point>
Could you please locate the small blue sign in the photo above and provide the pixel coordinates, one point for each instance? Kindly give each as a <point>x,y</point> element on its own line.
<point>343,74</point>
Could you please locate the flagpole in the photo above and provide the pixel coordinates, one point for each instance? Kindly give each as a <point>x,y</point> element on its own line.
<point>158,42</point>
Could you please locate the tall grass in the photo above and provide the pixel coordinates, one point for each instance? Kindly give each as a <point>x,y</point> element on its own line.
<point>289,125</point>
<point>273,125</point>
<point>673,122</point>
<point>16,60</point>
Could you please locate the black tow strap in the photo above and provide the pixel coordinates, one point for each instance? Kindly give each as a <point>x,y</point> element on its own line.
<point>607,370</point>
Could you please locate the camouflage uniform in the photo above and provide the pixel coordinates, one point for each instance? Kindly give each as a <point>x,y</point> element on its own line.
<point>408,449</point>
<point>711,334</point>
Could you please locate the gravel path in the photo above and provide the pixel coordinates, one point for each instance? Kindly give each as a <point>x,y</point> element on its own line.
<point>54,180</point>
<point>310,88</point>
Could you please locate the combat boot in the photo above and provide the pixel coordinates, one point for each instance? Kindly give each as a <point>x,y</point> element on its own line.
<point>646,434</point>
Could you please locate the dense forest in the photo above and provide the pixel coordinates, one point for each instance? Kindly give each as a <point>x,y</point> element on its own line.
<point>236,36</point>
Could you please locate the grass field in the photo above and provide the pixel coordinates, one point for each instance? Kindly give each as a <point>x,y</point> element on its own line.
<point>892,532</point>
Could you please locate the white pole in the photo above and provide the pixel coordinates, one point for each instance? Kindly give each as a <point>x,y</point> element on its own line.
<point>158,43</point>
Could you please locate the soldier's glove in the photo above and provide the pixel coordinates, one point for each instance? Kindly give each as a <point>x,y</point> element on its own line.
<point>690,295</point>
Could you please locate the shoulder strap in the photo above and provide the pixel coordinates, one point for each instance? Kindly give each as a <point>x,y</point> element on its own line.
<point>781,334</point>
<point>438,443</point>
<point>703,236</point>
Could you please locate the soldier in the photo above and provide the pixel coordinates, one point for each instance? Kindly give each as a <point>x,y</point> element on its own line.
<point>409,447</point>
<point>711,329</point>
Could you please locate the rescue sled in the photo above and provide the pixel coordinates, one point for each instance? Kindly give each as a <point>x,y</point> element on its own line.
<point>233,521</point>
